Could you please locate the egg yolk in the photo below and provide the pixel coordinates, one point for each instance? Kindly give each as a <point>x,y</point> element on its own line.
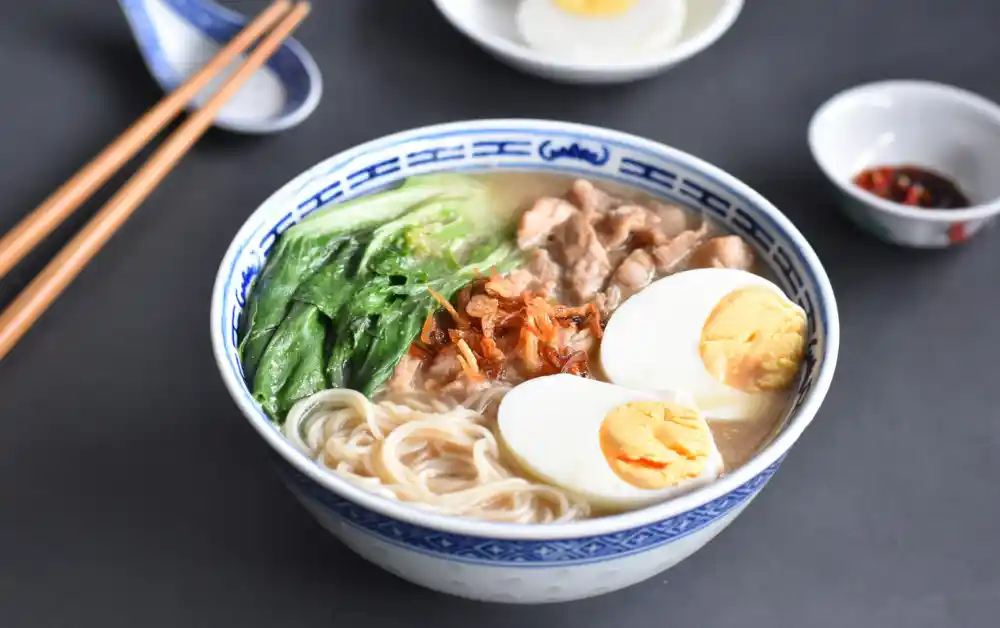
<point>595,8</point>
<point>653,444</point>
<point>754,340</point>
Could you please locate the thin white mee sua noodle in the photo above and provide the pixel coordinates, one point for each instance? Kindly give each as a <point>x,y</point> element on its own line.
<point>423,450</point>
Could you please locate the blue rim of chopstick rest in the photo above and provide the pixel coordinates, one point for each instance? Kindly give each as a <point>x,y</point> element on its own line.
<point>295,68</point>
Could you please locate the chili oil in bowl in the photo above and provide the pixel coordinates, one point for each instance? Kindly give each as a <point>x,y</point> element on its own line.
<point>915,162</point>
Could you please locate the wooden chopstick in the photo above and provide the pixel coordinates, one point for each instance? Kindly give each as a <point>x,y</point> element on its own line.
<point>22,313</point>
<point>26,235</point>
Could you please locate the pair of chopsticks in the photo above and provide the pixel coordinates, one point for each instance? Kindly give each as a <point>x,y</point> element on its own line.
<point>268,31</point>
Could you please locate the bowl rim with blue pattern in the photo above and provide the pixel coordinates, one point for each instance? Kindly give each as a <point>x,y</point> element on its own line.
<point>547,146</point>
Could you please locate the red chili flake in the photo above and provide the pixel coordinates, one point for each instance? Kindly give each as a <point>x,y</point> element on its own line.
<point>957,233</point>
<point>913,186</point>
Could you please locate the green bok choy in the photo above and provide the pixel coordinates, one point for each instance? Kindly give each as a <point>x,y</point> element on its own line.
<point>344,292</point>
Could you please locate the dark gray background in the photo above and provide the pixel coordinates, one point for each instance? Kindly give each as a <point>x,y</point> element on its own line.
<point>132,492</point>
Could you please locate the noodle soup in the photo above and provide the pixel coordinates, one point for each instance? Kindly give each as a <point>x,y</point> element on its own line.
<point>520,347</point>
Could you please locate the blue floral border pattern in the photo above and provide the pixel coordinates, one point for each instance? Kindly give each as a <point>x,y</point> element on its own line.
<point>540,553</point>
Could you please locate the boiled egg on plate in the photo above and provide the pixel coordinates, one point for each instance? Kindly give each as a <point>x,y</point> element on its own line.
<point>616,448</point>
<point>729,338</point>
<point>600,29</point>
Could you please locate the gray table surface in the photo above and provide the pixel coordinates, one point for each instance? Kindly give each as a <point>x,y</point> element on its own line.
<point>132,492</point>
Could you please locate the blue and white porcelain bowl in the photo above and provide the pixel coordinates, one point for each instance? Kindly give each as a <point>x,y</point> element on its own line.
<point>513,562</point>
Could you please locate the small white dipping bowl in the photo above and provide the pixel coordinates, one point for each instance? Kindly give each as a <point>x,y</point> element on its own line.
<point>914,123</point>
<point>491,25</point>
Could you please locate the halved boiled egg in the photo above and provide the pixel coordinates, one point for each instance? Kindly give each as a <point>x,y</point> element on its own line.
<point>600,28</point>
<point>730,338</point>
<point>613,447</point>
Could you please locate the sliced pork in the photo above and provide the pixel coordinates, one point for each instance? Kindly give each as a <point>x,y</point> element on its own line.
<point>545,270</point>
<point>723,252</point>
<point>539,222</point>
<point>584,257</point>
<point>593,201</point>
<point>670,256</point>
<point>627,220</point>
<point>633,274</point>
<point>673,219</point>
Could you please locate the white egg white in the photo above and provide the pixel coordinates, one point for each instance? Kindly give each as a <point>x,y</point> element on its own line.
<point>551,425</point>
<point>648,25</point>
<point>652,342</point>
